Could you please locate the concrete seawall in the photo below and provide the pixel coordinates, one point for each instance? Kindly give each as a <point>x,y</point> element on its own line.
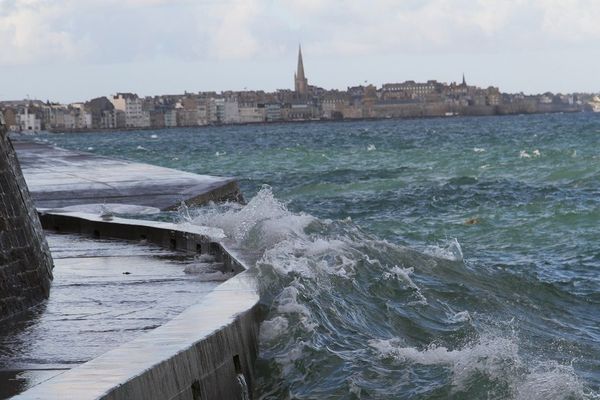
<point>25,262</point>
<point>206,352</point>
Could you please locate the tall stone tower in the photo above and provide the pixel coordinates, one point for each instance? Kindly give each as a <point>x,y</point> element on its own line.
<point>300,81</point>
<point>25,261</point>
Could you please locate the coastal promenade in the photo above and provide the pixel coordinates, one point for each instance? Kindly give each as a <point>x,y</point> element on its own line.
<point>205,352</point>
<point>60,178</point>
<point>139,309</point>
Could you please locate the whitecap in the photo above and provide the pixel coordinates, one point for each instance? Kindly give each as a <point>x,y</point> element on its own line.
<point>496,357</point>
<point>450,250</point>
<point>549,381</point>
<point>459,317</point>
<point>264,219</point>
<point>478,149</point>
<point>404,274</point>
<point>524,154</point>
<point>287,360</point>
<point>371,147</point>
<point>273,328</point>
<point>287,302</point>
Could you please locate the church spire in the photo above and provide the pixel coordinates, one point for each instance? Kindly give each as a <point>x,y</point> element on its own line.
<point>464,82</point>
<point>300,81</point>
<point>300,69</point>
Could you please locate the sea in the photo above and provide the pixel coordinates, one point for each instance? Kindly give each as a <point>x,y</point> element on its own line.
<point>450,258</point>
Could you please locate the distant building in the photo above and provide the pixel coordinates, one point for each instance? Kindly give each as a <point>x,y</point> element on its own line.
<point>102,112</point>
<point>170,118</point>
<point>493,96</point>
<point>188,113</point>
<point>231,112</point>
<point>297,111</point>
<point>28,121</point>
<point>409,90</point>
<point>273,112</point>
<point>82,118</point>
<point>300,81</point>
<point>252,113</point>
<point>10,119</point>
<point>333,105</point>
<point>131,105</point>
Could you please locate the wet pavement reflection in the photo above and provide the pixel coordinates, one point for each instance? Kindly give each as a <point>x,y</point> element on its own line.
<point>104,294</point>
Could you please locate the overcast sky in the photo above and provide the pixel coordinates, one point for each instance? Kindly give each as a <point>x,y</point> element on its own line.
<point>71,50</point>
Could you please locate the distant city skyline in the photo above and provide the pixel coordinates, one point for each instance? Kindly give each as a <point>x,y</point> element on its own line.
<point>70,51</point>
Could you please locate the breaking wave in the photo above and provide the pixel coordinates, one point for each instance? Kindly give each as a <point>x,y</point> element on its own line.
<point>493,359</point>
<point>348,315</point>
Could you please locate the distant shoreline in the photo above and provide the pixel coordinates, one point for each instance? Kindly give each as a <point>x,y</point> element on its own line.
<point>304,121</point>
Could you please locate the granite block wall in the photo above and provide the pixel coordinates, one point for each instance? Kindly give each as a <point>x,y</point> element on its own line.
<point>25,261</point>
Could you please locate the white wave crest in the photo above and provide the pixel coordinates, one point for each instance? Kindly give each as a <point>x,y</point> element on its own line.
<point>286,361</point>
<point>263,213</point>
<point>310,257</point>
<point>404,275</point>
<point>498,359</point>
<point>461,316</point>
<point>450,250</point>
<point>550,381</point>
<point>535,153</point>
<point>287,303</point>
<point>495,357</point>
<point>273,328</point>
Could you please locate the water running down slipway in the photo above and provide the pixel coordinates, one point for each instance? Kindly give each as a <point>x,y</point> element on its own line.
<point>367,293</point>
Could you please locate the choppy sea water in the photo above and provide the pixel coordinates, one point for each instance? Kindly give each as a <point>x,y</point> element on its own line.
<point>409,259</point>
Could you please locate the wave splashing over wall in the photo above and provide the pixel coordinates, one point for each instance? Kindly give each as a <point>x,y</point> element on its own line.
<point>348,315</point>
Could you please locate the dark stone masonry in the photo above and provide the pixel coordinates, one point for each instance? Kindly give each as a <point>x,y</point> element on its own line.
<point>25,260</point>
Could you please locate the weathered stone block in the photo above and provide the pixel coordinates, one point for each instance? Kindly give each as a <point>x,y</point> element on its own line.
<point>25,261</point>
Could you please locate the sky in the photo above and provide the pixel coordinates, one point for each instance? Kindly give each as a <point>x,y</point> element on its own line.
<point>74,50</point>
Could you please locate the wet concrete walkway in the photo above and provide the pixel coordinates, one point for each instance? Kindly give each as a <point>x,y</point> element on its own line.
<point>105,293</point>
<point>59,178</point>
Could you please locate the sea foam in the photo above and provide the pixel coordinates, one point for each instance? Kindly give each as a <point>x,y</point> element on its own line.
<point>499,360</point>
<point>330,290</point>
<point>448,250</point>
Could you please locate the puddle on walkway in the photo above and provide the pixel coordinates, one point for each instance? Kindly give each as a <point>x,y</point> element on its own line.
<point>104,294</point>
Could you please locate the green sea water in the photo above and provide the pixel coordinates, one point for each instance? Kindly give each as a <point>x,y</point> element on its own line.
<point>408,259</point>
